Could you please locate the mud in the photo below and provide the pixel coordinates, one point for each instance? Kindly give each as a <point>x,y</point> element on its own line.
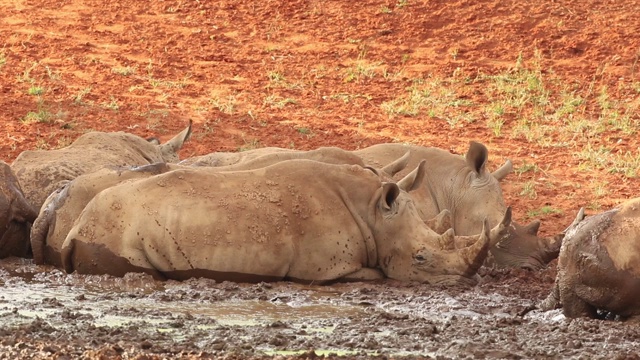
<point>50,314</point>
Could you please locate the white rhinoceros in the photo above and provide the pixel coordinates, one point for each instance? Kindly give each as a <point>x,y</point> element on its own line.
<point>219,158</point>
<point>464,186</point>
<point>599,265</point>
<point>16,215</point>
<point>297,220</point>
<point>41,172</point>
<point>63,206</point>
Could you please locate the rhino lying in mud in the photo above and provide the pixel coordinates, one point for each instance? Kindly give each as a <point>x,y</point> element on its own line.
<point>268,224</point>
<point>464,186</point>
<point>599,266</point>
<point>16,215</point>
<point>41,172</point>
<point>63,207</point>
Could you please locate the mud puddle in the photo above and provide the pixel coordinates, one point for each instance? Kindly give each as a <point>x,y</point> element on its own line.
<point>48,312</point>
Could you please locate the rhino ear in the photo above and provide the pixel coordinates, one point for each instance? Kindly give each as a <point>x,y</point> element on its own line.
<point>390,192</point>
<point>170,148</point>
<point>413,180</point>
<point>533,227</point>
<point>397,165</point>
<point>477,157</point>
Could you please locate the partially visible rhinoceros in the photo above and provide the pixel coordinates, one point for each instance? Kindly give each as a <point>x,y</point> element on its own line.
<point>16,215</point>
<point>219,158</point>
<point>298,220</point>
<point>63,206</point>
<point>464,186</point>
<point>42,172</point>
<point>599,265</point>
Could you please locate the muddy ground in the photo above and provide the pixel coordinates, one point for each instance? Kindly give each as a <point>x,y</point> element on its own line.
<point>49,314</point>
<point>552,85</point>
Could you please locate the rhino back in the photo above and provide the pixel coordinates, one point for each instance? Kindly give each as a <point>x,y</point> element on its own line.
<point>217,159</point>
<point>42,171</point>
<point>270,223</point>
<point>622,238</point>
<point>62,208</point>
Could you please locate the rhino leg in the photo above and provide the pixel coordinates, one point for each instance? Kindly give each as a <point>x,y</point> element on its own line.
<point>553,300</point>
<point>573,306</point>
<point>96,259</point>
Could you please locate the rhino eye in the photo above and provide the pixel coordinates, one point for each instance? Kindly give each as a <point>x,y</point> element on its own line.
<point>420,258</point>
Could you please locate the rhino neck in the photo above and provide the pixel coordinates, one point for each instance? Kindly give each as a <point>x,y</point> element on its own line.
<point>360,216</point>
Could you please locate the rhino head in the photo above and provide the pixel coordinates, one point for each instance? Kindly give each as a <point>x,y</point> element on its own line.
<point>16,214</point>
<point>408,250</point>
<point>517,246</point>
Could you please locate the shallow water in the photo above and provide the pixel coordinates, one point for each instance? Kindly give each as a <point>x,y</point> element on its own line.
<point>42,305</point>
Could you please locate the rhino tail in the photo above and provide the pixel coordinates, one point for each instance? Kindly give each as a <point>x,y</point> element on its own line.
<point>553,300</point>
<point>38,238</point>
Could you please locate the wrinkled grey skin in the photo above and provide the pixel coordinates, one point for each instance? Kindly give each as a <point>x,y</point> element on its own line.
<point>268,224</point>
<point>16,215</point>
<point>219,158</point>
<point>41,172</point>
<point>62,207</point>
<point>464,186</point>
<point>599,266</point>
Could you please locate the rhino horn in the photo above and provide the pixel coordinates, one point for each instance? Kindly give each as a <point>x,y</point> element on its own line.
<point>499,232</point>
<point>397,165</point>
<point>477,156</point>
<point>475,254</point>
<point>446,241</point>
<point>172,146</point>
<point>414,178</point>
<point>441,222</point>
<point>503,170</point>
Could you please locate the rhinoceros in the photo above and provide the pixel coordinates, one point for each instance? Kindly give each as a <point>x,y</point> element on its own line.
<point>63,206</point>
<point>41,172</point>
<point>219,158</point>
<point>599,265</point>
<point>16,215</point>
<point>464,186</point>
<point>297,220</point>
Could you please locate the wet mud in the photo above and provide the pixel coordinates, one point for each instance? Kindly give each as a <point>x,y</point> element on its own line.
<point>46,313</point>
